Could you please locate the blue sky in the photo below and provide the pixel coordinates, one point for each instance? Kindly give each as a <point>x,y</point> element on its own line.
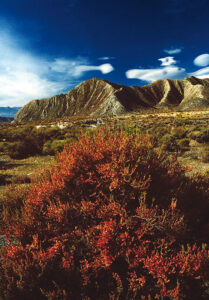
<point>49,46</point>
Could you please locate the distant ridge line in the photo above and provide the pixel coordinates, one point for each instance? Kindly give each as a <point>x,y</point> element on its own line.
<point>99,97</point>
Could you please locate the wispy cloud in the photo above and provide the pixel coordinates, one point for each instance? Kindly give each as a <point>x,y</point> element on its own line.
<point>202,60</point>
<point>67,66</point>
<point>150,75</point>
<point>173,51</point>
<point>76,67</point>
<point>24,76</point>
<point>106,58</point>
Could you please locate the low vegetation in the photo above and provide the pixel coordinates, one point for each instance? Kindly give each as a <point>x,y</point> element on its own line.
<point>28,140</point>
<point>114,218</point>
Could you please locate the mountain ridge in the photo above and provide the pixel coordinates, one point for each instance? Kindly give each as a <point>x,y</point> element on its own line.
<point>8,112</point>
<point>100,97</point>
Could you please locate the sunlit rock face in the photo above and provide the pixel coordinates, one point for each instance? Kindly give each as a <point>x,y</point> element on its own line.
<point>98,97</point>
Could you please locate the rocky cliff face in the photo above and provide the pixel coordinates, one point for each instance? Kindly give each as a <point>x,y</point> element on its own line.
<point>97,97</point>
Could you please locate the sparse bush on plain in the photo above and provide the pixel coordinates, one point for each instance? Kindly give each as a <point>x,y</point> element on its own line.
<point>183,144</point>
<point>204,154</point>
<point>3,146</point>
<point>52,147</point>
<point>169,142</point>
<point>203,136</point>
<point>26,147</point>
<point>179,132</point>
<point>157,132</point>
<point>25,141</point>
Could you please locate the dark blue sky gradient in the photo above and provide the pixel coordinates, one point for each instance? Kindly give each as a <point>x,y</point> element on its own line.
<point>134,32</point>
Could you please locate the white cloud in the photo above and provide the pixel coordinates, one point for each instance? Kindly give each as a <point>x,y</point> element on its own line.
<point>202,60</point>
<point>105,68</point>
<point>151,75</point>
<point>173,51</point>
<point>24,76</point>
<point>168,71</point>
<point>202,73</point>
<point>167,61</point>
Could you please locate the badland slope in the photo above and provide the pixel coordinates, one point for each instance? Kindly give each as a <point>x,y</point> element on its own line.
<point>98,97</point>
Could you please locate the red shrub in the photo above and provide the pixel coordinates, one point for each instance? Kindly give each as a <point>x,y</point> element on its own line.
<point>89,230</point>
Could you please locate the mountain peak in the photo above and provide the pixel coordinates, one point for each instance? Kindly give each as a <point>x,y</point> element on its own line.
<point>99,97</point>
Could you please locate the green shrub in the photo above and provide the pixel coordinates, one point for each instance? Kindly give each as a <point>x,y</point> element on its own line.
<point>24,148</point>
<point>53,147</point>
<point>161,131</point>
<point>183,144</point>
<point>130,129</point>
<point>203,136</point>
<point>21,179</point>
<point>71,138</point>
<point>3,146</point>
<point>156,134</point>
<point>193,134</point>
<point>204,154</point>
<point>46,133</point>
<point>169,142</point>
<point>179,132</point>
<point>3,179</point>
<point>19,133</point>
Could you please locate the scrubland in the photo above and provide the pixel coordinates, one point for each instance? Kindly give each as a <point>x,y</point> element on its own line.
<point>106,208</point>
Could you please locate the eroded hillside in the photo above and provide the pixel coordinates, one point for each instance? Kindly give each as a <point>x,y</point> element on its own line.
<point>98,97</point>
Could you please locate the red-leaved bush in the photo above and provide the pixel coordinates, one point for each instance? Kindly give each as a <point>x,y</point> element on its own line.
<point>107,223</point>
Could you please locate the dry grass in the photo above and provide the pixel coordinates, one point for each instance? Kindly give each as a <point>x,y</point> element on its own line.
<point>21,171</point>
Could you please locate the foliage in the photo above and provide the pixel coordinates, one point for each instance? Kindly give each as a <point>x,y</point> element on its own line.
<point>203,136</point>
<point>169,142</point>
<point>26,147</point>
<point>18,133</point>
<point>88,229</point>
<point>53,147</point>
<point>12,201</point>
<point>179,132</point>
<point>204,154</point>
<point>183,144</point>
<point>47,133</point>
<point>3,146</point>
<point>157,132</point>
<point>27,140</point>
